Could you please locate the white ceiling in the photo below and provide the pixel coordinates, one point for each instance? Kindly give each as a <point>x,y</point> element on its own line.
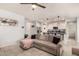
<point>52,10</point>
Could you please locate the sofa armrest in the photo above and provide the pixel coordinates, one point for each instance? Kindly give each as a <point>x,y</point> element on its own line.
<point>59,49</point>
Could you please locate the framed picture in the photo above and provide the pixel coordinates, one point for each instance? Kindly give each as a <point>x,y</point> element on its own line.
<point>8,22</point>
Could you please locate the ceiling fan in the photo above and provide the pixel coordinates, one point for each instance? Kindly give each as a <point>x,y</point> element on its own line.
<point>34,4</point>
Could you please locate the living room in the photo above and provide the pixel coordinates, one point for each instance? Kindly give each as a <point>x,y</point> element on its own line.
<point>48,26</point>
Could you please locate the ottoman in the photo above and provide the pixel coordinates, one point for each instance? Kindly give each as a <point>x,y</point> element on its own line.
<point>26,43</point>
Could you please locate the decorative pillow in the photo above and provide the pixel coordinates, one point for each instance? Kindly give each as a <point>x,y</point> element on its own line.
<point>56,40</point>
<point>33,36</point>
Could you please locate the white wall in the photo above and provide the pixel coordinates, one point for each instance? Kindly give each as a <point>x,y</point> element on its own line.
<point>78,29</point>
<point>10,34</point>
<point>60,25</point>
<point>29,29</point>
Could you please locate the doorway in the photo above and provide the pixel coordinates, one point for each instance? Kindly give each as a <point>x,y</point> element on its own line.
<point>72,29</point>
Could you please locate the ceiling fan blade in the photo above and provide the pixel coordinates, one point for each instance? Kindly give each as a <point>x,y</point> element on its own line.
<point>25,3</point>
<point>39,5</point>
<point>35,4</point>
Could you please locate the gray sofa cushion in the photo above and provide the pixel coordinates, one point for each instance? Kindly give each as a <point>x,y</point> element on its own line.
<point>75,51</point>
<point>50,44</point>
<point>48,47</point>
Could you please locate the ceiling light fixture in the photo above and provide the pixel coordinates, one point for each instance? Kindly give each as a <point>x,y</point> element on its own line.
<point>34,6</point>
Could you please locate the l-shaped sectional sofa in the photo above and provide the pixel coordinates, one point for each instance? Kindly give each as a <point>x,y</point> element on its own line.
<point>47,46</point>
